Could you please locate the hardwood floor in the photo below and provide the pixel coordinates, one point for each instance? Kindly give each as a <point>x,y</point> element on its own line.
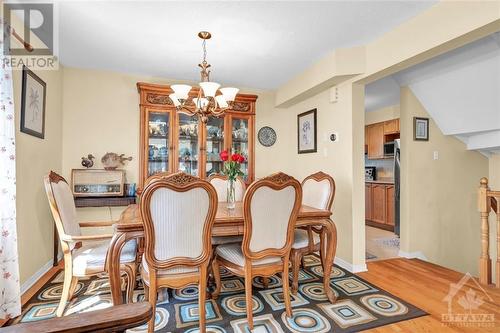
<point>425,285</point>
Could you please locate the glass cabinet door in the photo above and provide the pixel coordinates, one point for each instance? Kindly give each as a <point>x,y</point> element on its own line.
<point>158,143</point>
<point>240,141</point>
<point>188,149</point>
<point>214,145</point>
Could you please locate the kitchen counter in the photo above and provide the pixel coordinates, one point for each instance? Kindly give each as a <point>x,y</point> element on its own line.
<point>381,181</point>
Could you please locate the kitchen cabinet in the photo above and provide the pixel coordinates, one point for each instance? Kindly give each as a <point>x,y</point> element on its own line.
<point>172,140</point>
<point>379,205</point>
<point>368,201</point>
<point>391,126</point>
<point>375,134</point>
<point>389,206</point>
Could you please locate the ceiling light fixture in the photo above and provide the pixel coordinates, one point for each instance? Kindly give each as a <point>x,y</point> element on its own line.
<point>211,101</point>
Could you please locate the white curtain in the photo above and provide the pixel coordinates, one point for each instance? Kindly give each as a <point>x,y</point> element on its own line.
<point>10,294</point>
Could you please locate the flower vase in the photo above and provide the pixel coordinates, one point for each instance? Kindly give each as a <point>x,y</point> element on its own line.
<point>231,194</point>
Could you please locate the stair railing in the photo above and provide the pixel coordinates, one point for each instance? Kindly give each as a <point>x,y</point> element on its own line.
<point>488,201</point>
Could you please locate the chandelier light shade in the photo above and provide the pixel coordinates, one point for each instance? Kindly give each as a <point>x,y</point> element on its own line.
<point>211,100</point>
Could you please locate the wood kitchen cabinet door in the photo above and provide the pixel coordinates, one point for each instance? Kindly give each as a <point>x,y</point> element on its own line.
<point>375,134</point>
<point>389,205</point>
<point>391,126</point>
<point>378,208</point>
<point>368,201</point>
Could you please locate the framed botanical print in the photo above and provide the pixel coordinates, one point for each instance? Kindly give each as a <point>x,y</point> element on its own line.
<point>33,104</point>
<point>306,132</point>
<point>420,129</point>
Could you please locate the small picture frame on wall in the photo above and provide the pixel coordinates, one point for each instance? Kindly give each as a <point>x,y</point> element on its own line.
<point>420,129</point>
<point>306,132</point>
<point>33,104</point>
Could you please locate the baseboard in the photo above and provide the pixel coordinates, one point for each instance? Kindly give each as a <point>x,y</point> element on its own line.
<point>412,255</point>
<point>35,277</point>
<point>350,267</point>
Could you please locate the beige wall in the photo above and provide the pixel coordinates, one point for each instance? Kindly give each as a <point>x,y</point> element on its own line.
<point>384,114</point>
<point>101,114</point>
<point>438,197</point>
<point>35,158</point>
<point>330,157</point>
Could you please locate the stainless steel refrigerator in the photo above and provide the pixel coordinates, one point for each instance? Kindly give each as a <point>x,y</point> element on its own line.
<point>397,185</point>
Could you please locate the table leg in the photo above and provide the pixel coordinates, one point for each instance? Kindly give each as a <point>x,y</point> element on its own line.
<point>113,266</point>
<point>331,247</point>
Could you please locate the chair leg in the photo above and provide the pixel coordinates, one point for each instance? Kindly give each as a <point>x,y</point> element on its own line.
<point>248,295</point>
<point>72,287</point>
<point>202,291</point>
<point>152,299</point>
<point>296,257</point>
<point>216,272</point>
<point>322,248</point>
<point>130,271</point>
<point>265,282</point>
<point>68,280</point>
<point>286,289</point>
<point>146,292</point>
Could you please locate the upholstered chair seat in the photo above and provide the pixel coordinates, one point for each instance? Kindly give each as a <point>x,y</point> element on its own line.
<point>219,240</point>
<point>91,257</point>
<point>301,239</point>
<point>234,254</point>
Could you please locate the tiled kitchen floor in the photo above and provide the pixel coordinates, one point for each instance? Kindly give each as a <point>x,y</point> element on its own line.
<point>375,246</point>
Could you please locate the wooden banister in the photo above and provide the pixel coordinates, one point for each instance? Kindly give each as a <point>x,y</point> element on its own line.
<point>114,319</point>
<point>488,201</point>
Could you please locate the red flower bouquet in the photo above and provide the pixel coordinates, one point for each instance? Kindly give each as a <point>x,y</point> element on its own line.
<point>232,165</point>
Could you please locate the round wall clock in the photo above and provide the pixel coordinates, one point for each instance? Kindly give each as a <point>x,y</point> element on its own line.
<point>267,136</point>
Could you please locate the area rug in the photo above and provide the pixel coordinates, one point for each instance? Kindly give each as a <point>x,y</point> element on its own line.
<point>360,305</point>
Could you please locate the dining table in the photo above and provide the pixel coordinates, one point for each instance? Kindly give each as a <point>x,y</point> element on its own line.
<point>228,222</point>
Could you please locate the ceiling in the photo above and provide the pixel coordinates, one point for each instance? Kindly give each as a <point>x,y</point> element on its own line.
<point>255,44</point>
<point>459,89</point>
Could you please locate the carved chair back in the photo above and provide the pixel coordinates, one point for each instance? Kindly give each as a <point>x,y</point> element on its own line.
<point>178,212</point>
<point>270,208</point>
<point>62,206</point>
<point>318,190</point>
<point>220,184</point>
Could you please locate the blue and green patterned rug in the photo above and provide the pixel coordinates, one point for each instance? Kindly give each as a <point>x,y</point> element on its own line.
<point>360,305</point>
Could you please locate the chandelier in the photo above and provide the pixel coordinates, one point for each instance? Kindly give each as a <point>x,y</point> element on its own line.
<point>210,101</point>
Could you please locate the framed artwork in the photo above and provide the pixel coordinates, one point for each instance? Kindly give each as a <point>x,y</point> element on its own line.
<point>306,132</point>
<point>420,129</point>
<point>33,104</point>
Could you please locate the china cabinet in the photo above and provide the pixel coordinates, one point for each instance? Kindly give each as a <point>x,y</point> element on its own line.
<point>172,141</point>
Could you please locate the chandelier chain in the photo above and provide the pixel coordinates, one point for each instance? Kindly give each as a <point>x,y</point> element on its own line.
<point>204,50</point>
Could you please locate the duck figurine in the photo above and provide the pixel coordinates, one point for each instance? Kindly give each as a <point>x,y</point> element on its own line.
<point>88,161</point>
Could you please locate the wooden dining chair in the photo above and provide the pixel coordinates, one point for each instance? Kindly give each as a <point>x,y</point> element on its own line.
<point>178,212</point>
<point>220,184</point>
<point>83,255</point>
<point>270,209</point>
<point>318,191</point>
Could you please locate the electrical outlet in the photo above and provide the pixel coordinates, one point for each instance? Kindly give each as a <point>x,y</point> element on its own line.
<point>436,155</point>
